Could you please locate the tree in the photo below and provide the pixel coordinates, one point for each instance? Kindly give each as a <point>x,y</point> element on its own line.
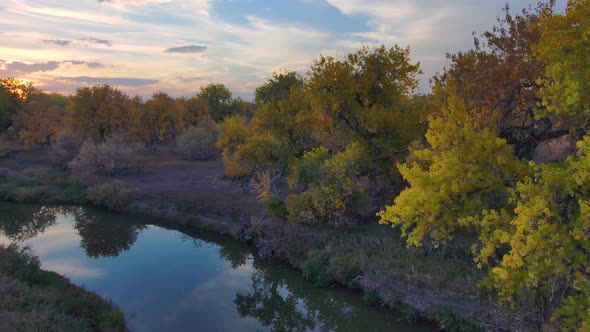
<point>99,111</point>
<point>155,119</point>
<point>564,45</point>
<point>41,118</point>
<point>365,97</point>
<point>13,94</point>
<point>277,133</point>
<point>545,241</point>
<point>278,87</point>
<point>233,133</point>
<point>197,110</point>
<point>218,99</point>
<point>499,80</point>
<point>465,170</point>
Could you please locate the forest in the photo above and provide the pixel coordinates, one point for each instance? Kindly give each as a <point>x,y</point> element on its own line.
<point>494,160</point>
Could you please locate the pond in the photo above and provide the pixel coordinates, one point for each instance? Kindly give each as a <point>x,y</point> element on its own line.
<point>167,278</point>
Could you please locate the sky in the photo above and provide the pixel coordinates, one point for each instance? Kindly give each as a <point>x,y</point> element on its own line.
<point>177,46</point>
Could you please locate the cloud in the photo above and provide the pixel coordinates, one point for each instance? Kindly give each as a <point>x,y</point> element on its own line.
<point>72,267</point>
<point>59,42</point>
<point>87,64</point>
<point>187,49</point>
<point>25,68</point>
<point>97,41</point>
<point>18,68</point>
<point>117,81</point>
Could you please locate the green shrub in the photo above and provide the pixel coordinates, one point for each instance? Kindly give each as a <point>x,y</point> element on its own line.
<point>113,195</point>
<point>372,298</point>
<point>448,321</point>
<point>314,268</point>
<point>33,194</point>
<point>276,207</point>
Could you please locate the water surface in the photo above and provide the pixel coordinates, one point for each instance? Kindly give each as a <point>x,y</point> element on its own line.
<point>167,278</point>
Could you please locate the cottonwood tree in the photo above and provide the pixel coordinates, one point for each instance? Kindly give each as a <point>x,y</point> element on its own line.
<point>99,111</point>
<point>218,98</point>
<point>41,118</point>
<point>464,170</point>
<point>500,79</point>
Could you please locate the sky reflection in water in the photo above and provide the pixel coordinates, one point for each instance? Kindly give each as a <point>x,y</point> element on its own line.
<point>182,280</point>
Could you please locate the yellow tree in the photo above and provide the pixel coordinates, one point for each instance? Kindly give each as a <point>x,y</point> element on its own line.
<point>154,119</point>
<point>465,170</point>
<point>99,111</point>
<point>545,239</point>
<point>565,45</point>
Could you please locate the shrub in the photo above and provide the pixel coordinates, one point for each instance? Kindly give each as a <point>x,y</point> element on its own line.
<point>6,145</point>
<point>113,195</point>
<point>33,194</point>
<point>115,157</point>
<point>198,142</point>
<point>275,207</point>
<point>314,268</point>
<point>65,148</point>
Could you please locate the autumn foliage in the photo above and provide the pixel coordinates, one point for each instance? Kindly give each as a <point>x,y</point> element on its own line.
<point>351,139</point>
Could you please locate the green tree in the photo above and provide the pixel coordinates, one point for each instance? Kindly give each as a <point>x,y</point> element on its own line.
<point>278,87</point>
<point>277,133</point>
<point>218,98</point>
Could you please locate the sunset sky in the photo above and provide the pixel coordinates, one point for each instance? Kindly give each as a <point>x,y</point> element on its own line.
<point>144,46</point>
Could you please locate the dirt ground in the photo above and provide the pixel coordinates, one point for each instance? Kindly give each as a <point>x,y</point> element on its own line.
<point>194,186</point>
<point>164,181</point>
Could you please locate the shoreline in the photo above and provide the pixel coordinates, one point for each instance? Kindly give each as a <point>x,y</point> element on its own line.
<point>437,289</point>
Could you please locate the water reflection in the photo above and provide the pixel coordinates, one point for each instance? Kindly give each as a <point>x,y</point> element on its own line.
<point>104,238</point>
<point>174,278</point>
<point>99,237</point>
<point>20,227</point>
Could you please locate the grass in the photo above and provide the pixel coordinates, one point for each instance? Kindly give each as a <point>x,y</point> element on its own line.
<point>38,300</point>
<point>328,256</point>
<point>44,185</point>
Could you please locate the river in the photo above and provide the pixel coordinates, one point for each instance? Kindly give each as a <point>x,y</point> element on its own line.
<point>173,278</point>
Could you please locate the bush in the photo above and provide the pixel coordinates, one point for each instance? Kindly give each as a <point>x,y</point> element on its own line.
<point>115,157</point>
<point>314,268</point>
<point>33,194</point>
<point>6,145</point>
<point>113,195</point>
<point>198,142</point>
<point>65,149</point>
<point>275,207</point>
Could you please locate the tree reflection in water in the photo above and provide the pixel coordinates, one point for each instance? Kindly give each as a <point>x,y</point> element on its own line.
<point>20,227</point>
<point>281,300</point>
<point>101,237</point>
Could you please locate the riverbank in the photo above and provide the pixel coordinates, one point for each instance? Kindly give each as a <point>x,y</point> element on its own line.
<point>37,300</point>
<point>370,257</point>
